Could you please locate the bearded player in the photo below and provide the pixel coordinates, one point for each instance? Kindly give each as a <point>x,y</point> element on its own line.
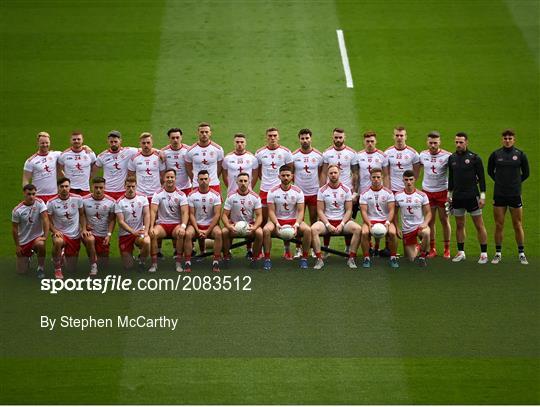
<point>175,158</point>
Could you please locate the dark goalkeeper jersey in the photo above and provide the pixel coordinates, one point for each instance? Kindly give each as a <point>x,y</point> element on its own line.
<point>508,167</point>
<point>465,174</point>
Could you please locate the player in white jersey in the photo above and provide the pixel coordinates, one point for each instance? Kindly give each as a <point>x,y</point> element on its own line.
<point>239,161</point>
<point>76,163</point>
<point>133,216</point>
<point>205,155</point>
<point>377,205</point>
<point>114,161</point>
<point>169,216</point>
<point>286,207</point>
<point>174,156</point>
<point>415,214</point>
<point>147,166</point>
<point>30,227</point>
<point>204,211</point>
<point>242,205</point>
<point>100,221</point>
<point>334,207</point>
<point>41,168</point>
<point>434,160</point>
<point>66,218</point>
<point>400,158</point>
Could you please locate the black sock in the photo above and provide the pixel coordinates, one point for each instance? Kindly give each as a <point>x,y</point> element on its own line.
<point>461,246</point>
<point>483,248</point>
<point>521,249</point>
<point>498,248</point>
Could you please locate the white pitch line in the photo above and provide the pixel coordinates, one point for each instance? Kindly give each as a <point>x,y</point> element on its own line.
<point>344,58</point>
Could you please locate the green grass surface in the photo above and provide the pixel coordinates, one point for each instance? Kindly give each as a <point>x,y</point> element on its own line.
<point>445,335</point>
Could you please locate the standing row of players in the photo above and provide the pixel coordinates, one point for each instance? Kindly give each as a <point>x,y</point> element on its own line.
<point>147,164</point>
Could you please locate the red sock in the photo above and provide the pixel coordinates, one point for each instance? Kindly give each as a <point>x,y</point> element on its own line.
<point>188,258</point>
<point>446,244</point>
<point>267,255</point>
<point>352,255</point>
<point>216,257</point>
<point>432,244</point>
<point>366,254</point>
<point>318,255</point>
<point>58,262</point>
<point>154,259</point>
<point>304,254</point>
<point>178,258</point>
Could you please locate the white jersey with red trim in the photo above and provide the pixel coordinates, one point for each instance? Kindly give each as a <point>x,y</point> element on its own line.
<point>65,214</point>
<point>366,162</point>
<point>97,213</point>
<point>235,164</point>
<point>77,167</point>
<point>204,205</point>
<point>115,167</point>
<point>147,170</point>
<point>169,206</point>
<point>306,170</point>
<point>344,158</point>
<point>133,211</point>
<point>28,217</point>
<point>411,209</point>
<point>242,207</point>
<point>334,200</point>
<point>205,158</point>
<point>43,169</point>
<point>270,159</point>
<point>377,203</point>
<point>400,161</point>
<point>435,170</point>
<point>175,159</point>
<point>285,201</point>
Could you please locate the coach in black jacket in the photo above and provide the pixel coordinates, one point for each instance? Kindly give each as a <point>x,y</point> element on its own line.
<point>465,174</point>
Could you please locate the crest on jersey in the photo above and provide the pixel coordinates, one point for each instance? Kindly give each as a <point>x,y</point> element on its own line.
<point>467,161</point>
<point>514,157</point>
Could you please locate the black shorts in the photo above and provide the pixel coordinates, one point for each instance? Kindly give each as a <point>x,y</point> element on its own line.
<point>504,201</point>
<point>469,204</point>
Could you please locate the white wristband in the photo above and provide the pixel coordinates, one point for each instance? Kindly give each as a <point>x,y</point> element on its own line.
<point>109,234</point>
<point>327,225</point>
<point>183,225</point>
<point>482,195</point>
<point>296,225</point>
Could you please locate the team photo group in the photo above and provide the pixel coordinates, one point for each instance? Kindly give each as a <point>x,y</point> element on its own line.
<point>373,198</point>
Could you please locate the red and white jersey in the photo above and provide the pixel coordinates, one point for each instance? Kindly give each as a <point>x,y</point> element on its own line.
<point>133,211</point>
<point>270,159</point>
<point>334,200</point>
<point>242,207</point>
<point>147,170</point>
<point>306,170</point>
<point>285,201</point>
<point>205,158</point>
<point>410,206</point>
<point>175,159</point>
<point>435,170</point>
<point>77,167</point>
<point>400,161</point>
<point>28,217</point>
<point>169,204</point>
<point>43,169</point>
<point>377,203</point>
<point>235,164</point>
<point>65,214</point>
<point>204,205</point>
<point>115,167</point>
<point>344,159</point>
<point>97,213</point>
<point>366,162</point>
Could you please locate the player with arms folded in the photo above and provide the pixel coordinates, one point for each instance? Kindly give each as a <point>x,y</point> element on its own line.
<point>239,161</point>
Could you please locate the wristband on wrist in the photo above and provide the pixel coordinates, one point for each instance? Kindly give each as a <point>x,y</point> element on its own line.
<point>183,225</point>
<point>109,234</point>
<point>327,225</point>
<point>296,225</point>
<point>482,195</point>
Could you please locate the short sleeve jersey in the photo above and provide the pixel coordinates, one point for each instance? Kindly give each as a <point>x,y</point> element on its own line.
<point>147,170</point>
<point>43,169</point>
<point>65,214</point>
<point>133,211</point>
<point>400,161</point>
<point>366,162</point>
<point>169,204</point>
<point>235,164</point>
<point>334,200</point>
<point>344,158</point>
<point>28,218</point>
<point>286,201</point>
<point>175,159</point>
<point>306,170</point>
<point>205,158</point>
<point>204,205</point>
<point>435,170</point>
<point>411,212</point>
<point>377,203</point>
<point>97,213</point>
<point>270,159</point>
<point>242,207</point>
<point>77,167</point>
<point>115,167</point>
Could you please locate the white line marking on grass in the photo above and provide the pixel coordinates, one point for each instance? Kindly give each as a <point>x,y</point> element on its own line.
<point>345,58</point>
